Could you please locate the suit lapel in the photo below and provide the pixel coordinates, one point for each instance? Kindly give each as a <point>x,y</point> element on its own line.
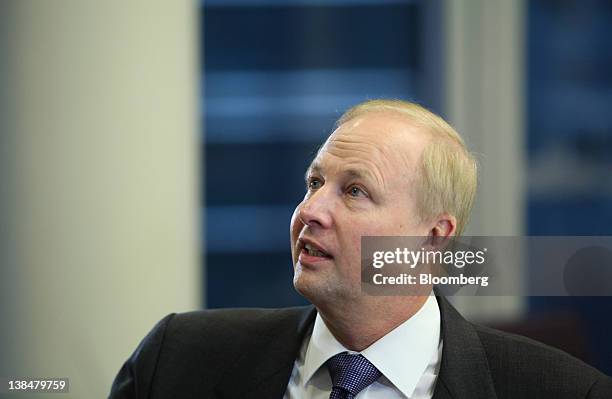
<point>441,391</point>
<point>264,370</point>
<point>464,371</point>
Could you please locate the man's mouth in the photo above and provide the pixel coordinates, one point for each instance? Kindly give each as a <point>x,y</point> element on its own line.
<point>312,251</point>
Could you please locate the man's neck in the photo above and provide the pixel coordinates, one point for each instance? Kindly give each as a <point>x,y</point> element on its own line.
<point>358,325</point>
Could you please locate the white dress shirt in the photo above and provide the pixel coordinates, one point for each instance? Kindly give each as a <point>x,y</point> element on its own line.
<point>408,358</point>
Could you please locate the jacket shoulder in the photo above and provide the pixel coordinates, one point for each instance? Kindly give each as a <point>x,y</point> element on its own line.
<point>518,364</point>
<point>228,326</point>
<point>186,353</point>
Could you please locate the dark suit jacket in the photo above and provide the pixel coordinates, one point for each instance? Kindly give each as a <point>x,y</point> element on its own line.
<point>249,353</point>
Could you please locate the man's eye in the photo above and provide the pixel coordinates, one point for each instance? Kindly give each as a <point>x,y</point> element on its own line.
<point>314,184</point>
<point>355,191</point>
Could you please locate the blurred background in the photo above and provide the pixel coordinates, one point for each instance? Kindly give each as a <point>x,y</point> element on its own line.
<point>151,153</point>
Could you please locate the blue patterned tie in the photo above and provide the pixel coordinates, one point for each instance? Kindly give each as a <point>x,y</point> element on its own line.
<point>350,374</point>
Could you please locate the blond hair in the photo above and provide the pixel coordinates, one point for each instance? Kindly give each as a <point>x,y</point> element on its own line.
<point>449,172</point>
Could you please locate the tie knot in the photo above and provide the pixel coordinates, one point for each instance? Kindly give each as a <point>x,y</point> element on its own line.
<point>352,372</point>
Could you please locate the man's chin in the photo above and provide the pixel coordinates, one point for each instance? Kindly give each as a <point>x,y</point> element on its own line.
<point>302,284</point>
<point>320,289</point>
<point>310,285</point>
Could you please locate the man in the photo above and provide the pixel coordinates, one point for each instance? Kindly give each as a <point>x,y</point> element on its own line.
<point>391,168</point>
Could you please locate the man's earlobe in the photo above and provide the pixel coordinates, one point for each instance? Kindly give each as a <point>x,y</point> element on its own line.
<point>442,232</point>
<point>445,228</point>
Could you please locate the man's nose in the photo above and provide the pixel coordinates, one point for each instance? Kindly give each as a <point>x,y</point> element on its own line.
<point>316,210</point>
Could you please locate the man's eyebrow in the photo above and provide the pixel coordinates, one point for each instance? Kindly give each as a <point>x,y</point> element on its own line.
<point>360,174</point>
<point>313,168</point>
<point>355,173</point>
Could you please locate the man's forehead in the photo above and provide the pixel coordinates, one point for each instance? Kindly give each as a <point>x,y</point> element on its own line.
<point>383,134</point>
<point>388,132</point>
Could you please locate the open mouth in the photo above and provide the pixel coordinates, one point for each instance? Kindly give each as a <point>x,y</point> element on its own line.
<point>312,251</point>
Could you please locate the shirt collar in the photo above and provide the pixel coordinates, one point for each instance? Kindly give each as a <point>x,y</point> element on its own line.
<point>402,355</point>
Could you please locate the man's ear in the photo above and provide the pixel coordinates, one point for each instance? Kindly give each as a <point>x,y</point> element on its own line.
<point>443,230</point>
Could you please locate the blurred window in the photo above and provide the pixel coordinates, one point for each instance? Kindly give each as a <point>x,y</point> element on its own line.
<point>570,142</point>
<point>570,117</point>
